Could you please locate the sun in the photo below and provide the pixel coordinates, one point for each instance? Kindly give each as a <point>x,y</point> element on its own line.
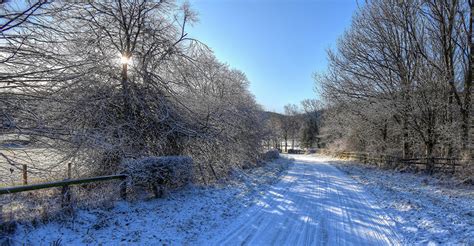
<point>124,59</point>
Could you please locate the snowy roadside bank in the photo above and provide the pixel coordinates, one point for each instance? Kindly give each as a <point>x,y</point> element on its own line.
<point>181,218</point>
<point>427,210</point>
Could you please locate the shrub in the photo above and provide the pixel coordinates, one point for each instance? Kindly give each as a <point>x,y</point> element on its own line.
<point>159,173</point>
<point>271,155</point>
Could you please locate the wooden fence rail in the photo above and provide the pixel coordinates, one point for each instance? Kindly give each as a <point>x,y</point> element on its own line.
<point>437,164</point>
<point>64,184</point>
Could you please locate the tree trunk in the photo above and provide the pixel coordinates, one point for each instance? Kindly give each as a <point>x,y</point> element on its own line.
<point>466,113</point>
<point>406,143</point>
<point>126,92</point>
<point>384,137</point>
<point>429,157</point>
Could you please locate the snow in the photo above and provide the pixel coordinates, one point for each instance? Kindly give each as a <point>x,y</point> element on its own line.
<point>181,218</point>
<point>427,210</point>
<point>313,203</point>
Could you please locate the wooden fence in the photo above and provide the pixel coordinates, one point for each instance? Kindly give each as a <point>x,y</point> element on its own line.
<point>64,184</point>
<point>447,165</point>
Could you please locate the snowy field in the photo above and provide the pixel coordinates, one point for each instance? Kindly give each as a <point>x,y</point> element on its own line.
<point>427,210</point>
<point>312,203</point>
<point>43,165</point>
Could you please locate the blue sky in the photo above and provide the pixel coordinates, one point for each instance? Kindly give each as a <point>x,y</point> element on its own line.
<point>279,44</point>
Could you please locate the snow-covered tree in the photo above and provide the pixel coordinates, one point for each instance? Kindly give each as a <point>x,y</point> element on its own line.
<point>402,74</point>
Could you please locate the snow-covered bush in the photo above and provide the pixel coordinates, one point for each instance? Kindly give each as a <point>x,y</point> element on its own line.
<point>271,155</point>
<point>159,173</point>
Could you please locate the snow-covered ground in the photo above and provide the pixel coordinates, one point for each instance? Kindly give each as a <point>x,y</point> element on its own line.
<point>181,218</point>
<point>313,203</point>
<point>428,210</point>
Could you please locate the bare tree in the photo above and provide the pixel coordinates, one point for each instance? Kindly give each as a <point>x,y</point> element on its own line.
<point>13,15</point>
<point>292,113</point>
<point>99,82</point>
<point>311,122</point>
<point>401,70</point>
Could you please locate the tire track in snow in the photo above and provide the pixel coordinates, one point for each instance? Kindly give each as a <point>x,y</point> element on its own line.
<point>314,204</point>
<point>256,216</point>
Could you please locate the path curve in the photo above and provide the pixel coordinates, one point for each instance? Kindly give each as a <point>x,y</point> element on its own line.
<point>313,204</point>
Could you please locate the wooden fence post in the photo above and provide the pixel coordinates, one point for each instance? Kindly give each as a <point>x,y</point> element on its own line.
<point>25,174</point>
<point>453,163</point>
<point>69,170</point>
<point>390,162</point>
<point>123,189</point>
<point>65,191</point>
<point>1,216</point>
<point>65,196</point>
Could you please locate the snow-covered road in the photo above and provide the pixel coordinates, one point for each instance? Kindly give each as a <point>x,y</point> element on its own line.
<point>313,204</point>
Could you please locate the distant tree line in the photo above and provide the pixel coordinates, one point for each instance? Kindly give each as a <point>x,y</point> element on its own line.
<point>400,80</point>
<point>298,123</point>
